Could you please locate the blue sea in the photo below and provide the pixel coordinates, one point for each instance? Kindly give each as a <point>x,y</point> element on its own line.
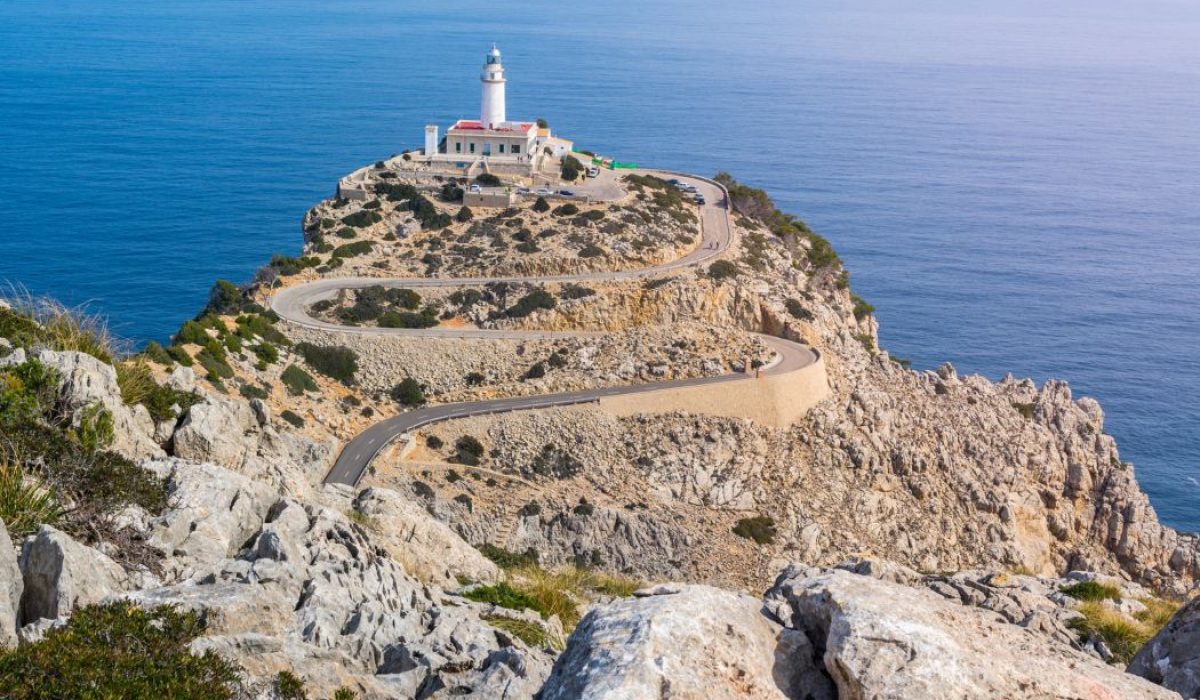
<point>1015,185</point>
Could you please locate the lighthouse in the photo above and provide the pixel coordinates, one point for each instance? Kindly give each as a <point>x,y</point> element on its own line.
<point>491,111</point>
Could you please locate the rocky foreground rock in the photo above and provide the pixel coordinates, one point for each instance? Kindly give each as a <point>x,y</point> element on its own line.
<point>822,634</point>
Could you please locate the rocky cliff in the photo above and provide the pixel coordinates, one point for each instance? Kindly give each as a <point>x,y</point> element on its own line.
<point>1017,540</point>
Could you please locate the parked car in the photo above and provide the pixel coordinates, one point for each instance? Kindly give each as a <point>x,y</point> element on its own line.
<point>566,193</point>
<point>690,189</point>
<point>476,188</point>
<point>699,199</point>
<point>593,171</point>
<point>543,192</point>
<point>523,190</point>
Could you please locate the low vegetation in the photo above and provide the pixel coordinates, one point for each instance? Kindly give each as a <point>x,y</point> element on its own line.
<point>1092,591</point>
<point>335,362</point>
<point>119,650</point>
<point>1122,634</point>
<point>760,528</point>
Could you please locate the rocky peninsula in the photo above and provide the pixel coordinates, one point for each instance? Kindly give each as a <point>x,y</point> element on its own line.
<point>903,534</point>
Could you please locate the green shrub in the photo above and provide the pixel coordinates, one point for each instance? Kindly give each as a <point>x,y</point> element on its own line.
<point>345,693</point>
<point>250,326</point>
<point>291,417</point>
<point>464,215</point>
<point>352,250</point>
<point>192,332</point>
<point>434,442</point>
<point>470,447</point>
<point>25,503</point>
<point>362,218</point>
<point>157,354</point>
<point>161,402</point>
<point>568,209</point>
<point>503,595</point>
<point>555,462</point>
<point>488,180</point>
<point>289,687</point>
<point>591,251</point>
<point>862,309</point>
<point>466,298</point>
<point>180,355</point>
<point>396,192</point>
<point>475,378</point>
<point>118,650</point>
<point>571,168</point>
<point>422,489</point>
<point>347,233</point>
<point>594,215</point>
<point>224,298</point>
<point>428,214</point>
<point>250,391</point>
<point>333,361</point>
<point>760,528</point>
<point>723,270</point>
<point>214,363</point>
<point>297,381</point>
<point>537,371</point>
<point>1092,590</point>
<point>797,310</point>
<point>530,509</point>
<point>407,319</point>
<point>541,205</point>
<point>531,633</point>
<point>409,392</point>
<point>583,508</point>
<point>575,291</point>
<point>509,560</point>
<point>266,352</point>
<point>287,267</point>
<point>537,299</point>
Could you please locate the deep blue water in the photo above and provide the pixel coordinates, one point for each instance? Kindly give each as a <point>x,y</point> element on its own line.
<point>1015,185</point>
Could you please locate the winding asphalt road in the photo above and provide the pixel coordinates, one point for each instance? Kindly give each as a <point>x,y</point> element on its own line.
<point>292,305</point>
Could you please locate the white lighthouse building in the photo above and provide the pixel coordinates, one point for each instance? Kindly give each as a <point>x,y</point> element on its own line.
<point>492,141</point>
<point>491,110</point>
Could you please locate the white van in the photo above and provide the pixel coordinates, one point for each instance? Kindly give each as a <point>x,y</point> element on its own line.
<point>593,171</point>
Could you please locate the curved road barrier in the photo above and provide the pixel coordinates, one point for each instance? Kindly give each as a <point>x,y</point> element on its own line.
<point>777,394</point>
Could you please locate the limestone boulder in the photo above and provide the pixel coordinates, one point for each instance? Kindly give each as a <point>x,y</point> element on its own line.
<point>882,640</point>
<point>213,512</point>
<point>219,431</point>
<point>11,586</point>
<point>427,548</point>
<point>60,574</point>
<point>1172,657</point>
<point>685,642</point>
<point>85,381</point>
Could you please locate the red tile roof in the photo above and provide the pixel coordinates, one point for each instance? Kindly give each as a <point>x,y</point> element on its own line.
<point>476,125</point>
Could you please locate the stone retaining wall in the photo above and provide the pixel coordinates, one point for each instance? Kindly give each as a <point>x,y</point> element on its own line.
<point>776,400</point>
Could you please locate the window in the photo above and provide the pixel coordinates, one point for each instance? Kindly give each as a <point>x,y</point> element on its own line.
<point>458,146</point>
<point>501,148</point>
<point>472,147</point>
<point>516,149</point>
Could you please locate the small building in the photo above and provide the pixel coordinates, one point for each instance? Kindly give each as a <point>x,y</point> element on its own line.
<point>494,139</point>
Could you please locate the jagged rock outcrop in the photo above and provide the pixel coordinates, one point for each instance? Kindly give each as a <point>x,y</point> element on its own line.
<point>818,634</point>
<point>1172,657</point>
<point>311,593</point>
<point>60,574</point>
<point>425,547</point>
<point>686,642</point>
<point>85,381</point>
<point>11,586</point>
<point>216,430</point>
<point>213,513</point>
<point>878,639</point>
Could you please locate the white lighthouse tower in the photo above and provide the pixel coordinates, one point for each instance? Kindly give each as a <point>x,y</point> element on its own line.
<point>491,112</point>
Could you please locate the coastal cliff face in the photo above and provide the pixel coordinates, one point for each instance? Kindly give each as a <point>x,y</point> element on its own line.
<point>938,535</point>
